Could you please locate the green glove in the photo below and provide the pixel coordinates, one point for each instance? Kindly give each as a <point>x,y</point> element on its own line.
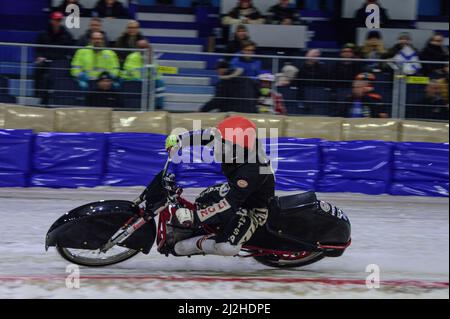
<point>172,141</point>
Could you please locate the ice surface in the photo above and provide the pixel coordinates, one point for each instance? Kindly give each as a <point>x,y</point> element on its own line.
<point>407,237</point>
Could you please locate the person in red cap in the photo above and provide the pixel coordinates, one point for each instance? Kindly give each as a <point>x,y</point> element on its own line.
<point>56,34</point>
<point>238,207</point>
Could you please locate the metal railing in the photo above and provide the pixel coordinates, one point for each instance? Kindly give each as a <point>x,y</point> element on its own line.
<point>322,86</point>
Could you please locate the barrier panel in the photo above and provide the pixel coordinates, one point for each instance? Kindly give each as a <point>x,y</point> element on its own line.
<point>297,163</point>
<point>140,122</point>
<point>132,159</point>
<point>15,155</point>
<point>417,131</point>
<point>370,129</point>
<point>356,166</point>
<point>83,120</point>
<point>2,116</point>
<point>326,128</point>
<point>420,169</point>
<point>34,118</point>
<point>68,159</point>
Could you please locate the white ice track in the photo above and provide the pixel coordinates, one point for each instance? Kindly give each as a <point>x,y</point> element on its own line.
<point>407,237</point>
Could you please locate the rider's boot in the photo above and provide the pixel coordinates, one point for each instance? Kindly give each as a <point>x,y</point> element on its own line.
<point>205,245</point>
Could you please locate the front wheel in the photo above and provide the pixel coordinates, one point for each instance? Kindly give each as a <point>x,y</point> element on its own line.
<point>290,261</point>
<point>95,258</point>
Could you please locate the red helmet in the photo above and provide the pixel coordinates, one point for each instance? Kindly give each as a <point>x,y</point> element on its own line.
<point>238,130</point>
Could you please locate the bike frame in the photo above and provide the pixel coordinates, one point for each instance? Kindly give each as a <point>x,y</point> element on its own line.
<point>175,201</point>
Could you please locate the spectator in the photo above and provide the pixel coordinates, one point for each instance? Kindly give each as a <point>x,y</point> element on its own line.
<point>243,13</point>
<point>312,71</point>
<point>363,101</point>
<point>269,101</point>
<point>62,7</point>
<point>105,93</point>
<point>346,70</point>
<point>234,93</point>
<point>129,39</point>
<point>283,13</point>
<point>288,76</point>
<point>250,65</point>
<point>361,15</point>
<point>89,62</point>
<point>288,86</point>
<point>133,68</point>
<point>433,105</point>
<point>241,35</point>
<point>374,49</point>
<point>111,9</point>
<point>95,25</point>
<point>56,34</point>
<point>434,51</point>
<point>405,54</point>
<point>135,62</point>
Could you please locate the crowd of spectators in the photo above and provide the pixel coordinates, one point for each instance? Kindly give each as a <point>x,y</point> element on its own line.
<point>98,70</point>
<point>244,84</point>
<point>245,12</point>
<point>353,80</point>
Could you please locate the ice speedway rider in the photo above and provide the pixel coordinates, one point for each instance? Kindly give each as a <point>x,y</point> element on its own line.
<point>239,206</point>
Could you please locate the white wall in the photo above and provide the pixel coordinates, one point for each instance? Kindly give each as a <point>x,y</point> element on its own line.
<point>262,5</point>
<point>397,9</point>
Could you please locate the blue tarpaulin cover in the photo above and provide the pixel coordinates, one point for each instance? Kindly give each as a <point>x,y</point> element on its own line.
<point>15,156</point>
<point>132,159</point>
<point>356,166</point>
<point>420,169</point>
<point>68,159</point>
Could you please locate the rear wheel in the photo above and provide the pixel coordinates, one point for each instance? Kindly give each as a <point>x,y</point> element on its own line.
<point>95,258</point>
<point>290,261</point>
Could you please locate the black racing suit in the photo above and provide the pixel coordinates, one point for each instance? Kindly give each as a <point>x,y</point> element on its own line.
<point>239,206</point>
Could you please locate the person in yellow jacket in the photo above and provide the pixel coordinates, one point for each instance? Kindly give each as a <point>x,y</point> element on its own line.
<point>88,63</point>
<point>134,67</point>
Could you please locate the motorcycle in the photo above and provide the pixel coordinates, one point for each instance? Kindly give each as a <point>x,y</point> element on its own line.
<point>300,229</point>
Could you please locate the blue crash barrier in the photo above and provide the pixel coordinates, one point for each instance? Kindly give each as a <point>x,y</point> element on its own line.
<point>420,169</point>
<point>356,166</point>
<point>68,159</point>
<point>132,159</point>
<point>15,156</point>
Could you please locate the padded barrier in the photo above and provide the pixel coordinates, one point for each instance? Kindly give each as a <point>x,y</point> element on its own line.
<point>69,159</point>
<point>297,163</point>
<point>356,166</point>
<point>419,131</point>
<point>370,129</point>
<point>327,128</point>
<point>132,159</point>
<point>83,120</point>
<point>420,169</point>
<point>15,156</point>
<point>33,118</point>
<point>2,116</point>
<point>140,122</point>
